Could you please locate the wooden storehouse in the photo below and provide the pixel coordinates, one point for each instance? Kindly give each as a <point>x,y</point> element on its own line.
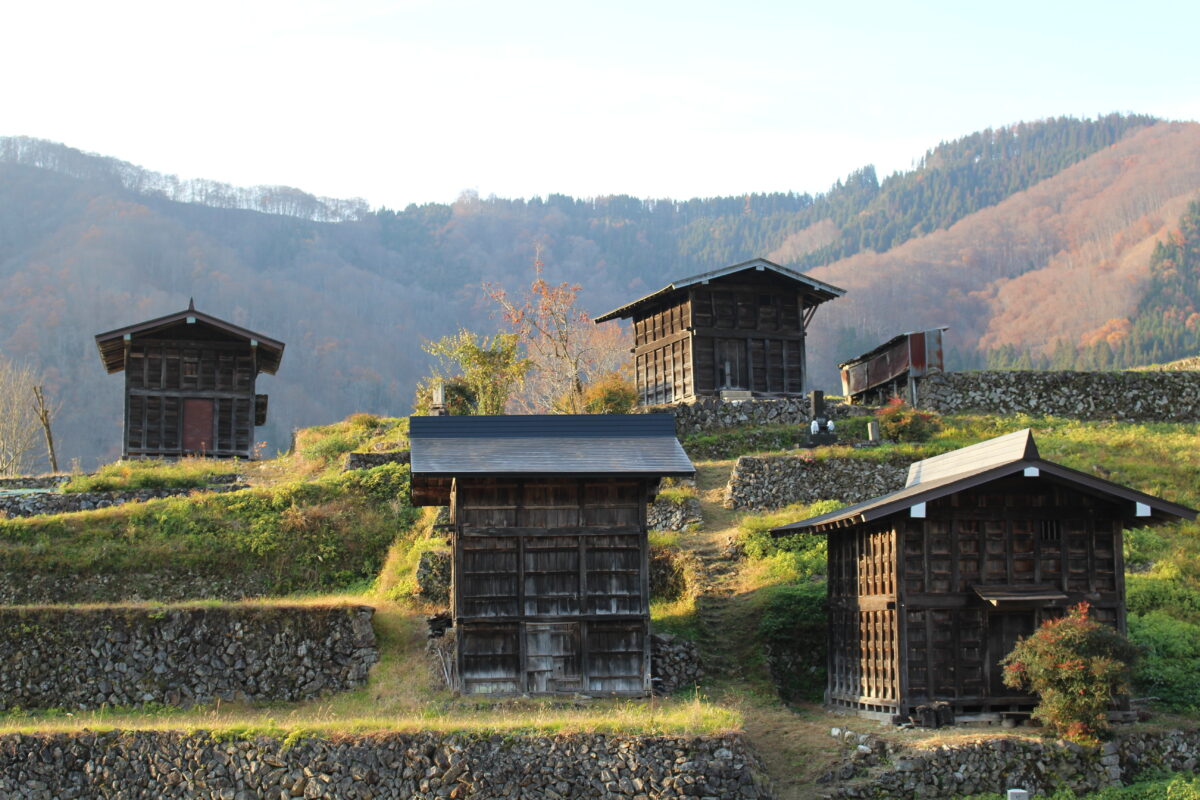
<point>550,582</point>
<point>929,587</point>
<point>189,384</point>
<point>735,332</point>
<point>894,368</point>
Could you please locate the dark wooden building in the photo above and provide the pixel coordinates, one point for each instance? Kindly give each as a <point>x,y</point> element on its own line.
<point>550,583</point>
<point>894,368</point>
<point>189,384</point>
<point>737,331</point>
<point>930,586</point>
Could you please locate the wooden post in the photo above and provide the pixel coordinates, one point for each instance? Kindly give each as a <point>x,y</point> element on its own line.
<point>44,414</point>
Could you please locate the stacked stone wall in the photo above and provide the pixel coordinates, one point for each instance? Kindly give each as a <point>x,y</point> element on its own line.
<point>760,483</point>
<point>155,764</point>
<point>368,460</point>
<point>87,658</point>
<point>1143,396</point>
<point>710,413</point>
<point>993,765</point>
<point>29,505</point>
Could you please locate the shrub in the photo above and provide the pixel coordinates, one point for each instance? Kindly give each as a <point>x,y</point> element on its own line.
<point>610,394</point>
<point>901,422</point>
<point>460,399</point>
<point>1076,666</point>
<point>1170,659</point>
<point>1147,593</point>
<point>792,629</point>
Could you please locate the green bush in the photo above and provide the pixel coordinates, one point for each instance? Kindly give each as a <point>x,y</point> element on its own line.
<point>792,630</point>
<point>1076,666</point>
<point>1170,659</point>
<point>1147,593</point>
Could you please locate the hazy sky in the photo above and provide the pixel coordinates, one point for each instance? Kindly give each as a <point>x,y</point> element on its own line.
<point>413,101</point>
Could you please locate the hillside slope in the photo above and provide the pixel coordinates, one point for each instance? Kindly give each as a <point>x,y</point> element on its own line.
<point>1059,260</point>
<point>89,244</point>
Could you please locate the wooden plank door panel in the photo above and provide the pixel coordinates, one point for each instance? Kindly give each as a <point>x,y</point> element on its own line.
<point>197,425</point>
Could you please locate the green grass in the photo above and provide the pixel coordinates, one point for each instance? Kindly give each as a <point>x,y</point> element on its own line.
<point>1178,787</point>
<point>121,476</point>
<point>328,533</point>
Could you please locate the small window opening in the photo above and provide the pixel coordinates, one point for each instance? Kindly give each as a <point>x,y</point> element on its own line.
<point>1050,531</point>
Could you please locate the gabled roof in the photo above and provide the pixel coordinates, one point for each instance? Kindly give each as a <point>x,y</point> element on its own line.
<point>112,343</point>
<point>822,291</point>
<point>641,445</point>
<point>1004,456</point>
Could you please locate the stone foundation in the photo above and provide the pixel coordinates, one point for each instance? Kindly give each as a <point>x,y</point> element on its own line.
<point>665,514</point>
<point>423,766</point>
<point>88,658</point>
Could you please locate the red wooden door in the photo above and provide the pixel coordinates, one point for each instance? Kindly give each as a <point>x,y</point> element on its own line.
<point>197,425</point>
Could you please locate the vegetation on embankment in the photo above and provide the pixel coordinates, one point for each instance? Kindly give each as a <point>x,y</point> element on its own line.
<point>306,526</point>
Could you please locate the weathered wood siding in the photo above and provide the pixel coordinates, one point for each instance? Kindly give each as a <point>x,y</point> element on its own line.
<point>863,652</point>
<point>161,375</point>
<point>1015,532</point>
<point>551,588</point>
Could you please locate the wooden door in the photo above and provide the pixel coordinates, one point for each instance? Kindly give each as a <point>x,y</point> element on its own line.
<point>197,425</point>
<point>552,657</point>
<point>1004,628</point>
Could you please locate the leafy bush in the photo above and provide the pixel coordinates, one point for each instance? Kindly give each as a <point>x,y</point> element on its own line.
<point>1170,659</point>
<point>1147,593</point>
<point>900,422</point>
<point>610,394</point>
<point>1076,666</point>
<point>793,632</point>
<point>460,398</point>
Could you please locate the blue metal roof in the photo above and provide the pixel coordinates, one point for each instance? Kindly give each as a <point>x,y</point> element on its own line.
<point>548,444</point>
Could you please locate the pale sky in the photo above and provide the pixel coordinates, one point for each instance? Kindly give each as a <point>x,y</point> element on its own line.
<point>411,101</point>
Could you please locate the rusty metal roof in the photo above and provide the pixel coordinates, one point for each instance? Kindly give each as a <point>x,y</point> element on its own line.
<point>1002,457</point>
<point>823,291</point>
<point>889,344</point>
<point>112,343</point>
<point>548,444</point>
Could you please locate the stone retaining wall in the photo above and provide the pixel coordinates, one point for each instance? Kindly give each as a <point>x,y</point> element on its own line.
<point>157,764</point>
<point>710,413</point>
<point>29,505</point>
<point>768,482</point>
<point>997,764</point>
<point>664,514</point>
<point>368,460</point>
<point>164,586</point>
<point>1151,396</point>
<point>47,482</point>
<point>88,658</point>
<point>674,663</point>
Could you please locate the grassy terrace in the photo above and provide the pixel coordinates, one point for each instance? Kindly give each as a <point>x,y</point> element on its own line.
<point>346,538</point>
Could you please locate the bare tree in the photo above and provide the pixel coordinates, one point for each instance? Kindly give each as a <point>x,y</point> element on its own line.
<point>566,351</point>
<point>44,414</point>
<point>19,425</point>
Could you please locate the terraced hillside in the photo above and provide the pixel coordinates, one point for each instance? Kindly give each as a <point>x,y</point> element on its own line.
<point>307,533</point>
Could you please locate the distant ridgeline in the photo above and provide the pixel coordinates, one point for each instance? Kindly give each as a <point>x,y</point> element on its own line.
<point>1165,327</point>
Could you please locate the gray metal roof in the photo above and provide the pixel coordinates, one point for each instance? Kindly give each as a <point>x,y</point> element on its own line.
<point>548,444</point>
<point>975,465</point>
<point>824,291</point>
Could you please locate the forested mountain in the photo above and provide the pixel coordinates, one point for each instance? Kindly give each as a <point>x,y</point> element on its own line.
<point>982,235</point>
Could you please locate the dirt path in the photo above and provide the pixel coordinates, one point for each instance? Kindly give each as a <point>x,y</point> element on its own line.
<point>793,743</point>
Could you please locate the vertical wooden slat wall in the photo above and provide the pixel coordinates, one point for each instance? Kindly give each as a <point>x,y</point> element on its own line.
<point>552,577</point>
<point>729,335</point>
<point>159,375</point>
<point>1010,533</point>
